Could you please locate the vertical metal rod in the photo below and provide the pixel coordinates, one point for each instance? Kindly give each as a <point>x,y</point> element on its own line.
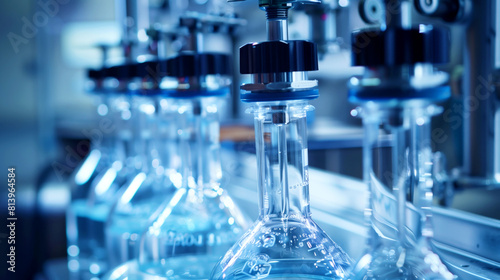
<point>132,16</point>
<point>277,24</point>
<point>235,85</point>
<point>397,14</point>
<point>277,29</point>
<point>479,97</point>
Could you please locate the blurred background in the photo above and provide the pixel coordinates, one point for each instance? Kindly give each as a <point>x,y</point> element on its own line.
<point>47,116</point>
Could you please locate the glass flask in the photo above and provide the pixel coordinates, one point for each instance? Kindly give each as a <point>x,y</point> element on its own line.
<point>92,198</point>
<point>398,168</point>
<point>200,223</point>
<point>284,243</point>
<point>137,204</point>
<point>101,143</point>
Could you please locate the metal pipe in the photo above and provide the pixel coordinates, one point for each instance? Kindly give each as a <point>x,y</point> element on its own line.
<point>479,97</point>
<point>397,14</point>
<point>277,29</point>
<point>322,26</point>
<point>277,24</point>
<point>132,17</point>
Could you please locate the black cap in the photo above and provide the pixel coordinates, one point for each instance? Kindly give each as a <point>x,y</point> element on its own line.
<point>151,69</point>
<point>198,64</point>
<point>278,56</point>
<point>96,74</point>
<point>126,71</point>
<point>396,46</point>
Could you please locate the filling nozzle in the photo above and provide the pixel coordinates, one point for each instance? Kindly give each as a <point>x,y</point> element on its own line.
<point>133,19</point>
<point>194,40</point>
<point>285,76</point>
<point>397,14</point>
<point>277,16</point>
<point>277,23</point>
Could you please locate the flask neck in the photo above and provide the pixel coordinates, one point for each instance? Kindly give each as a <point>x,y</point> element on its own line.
<point>398,168</point>
<point>165,156</point>
<point>137,143</point>
<point>282,160</point>
<point>198,136</point>
<point>120,114</point>
<point>102,138</point>
<point>145,121</point>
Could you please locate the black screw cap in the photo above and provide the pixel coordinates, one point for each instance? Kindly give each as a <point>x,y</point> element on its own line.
<point>154,70</point>
<point>400,46</point>
<point>278,56</point>
<point>192,64</point>
<point>96,74</point>
<point>126,71</point>
<point>150,69</point>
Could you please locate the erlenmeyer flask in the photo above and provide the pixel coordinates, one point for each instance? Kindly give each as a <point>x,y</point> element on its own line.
<point>92,199</point>
<point>81,255</point>
<point>398,169</point>
<point>136,206</point>
<point>200,223</point>
<point>284,243</point>
<point>101,140</point>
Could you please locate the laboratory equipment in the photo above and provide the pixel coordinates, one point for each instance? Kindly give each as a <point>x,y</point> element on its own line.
<point>201,221</point>
<point>284,242</point>
<point>95,188</point>
<point>322,25</point>
<point>397,97</point>
<point>89,210</point>
<point>481,241</point>
<point>101,144</point>
<point>481,148</point>
<point>197,226</point>
<point>155,153</point>
<point>81,242</point>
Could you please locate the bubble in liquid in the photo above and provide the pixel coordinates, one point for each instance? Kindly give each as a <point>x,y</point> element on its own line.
<point>268,240</point>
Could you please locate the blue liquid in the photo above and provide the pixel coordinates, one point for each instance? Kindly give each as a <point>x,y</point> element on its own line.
<point>181,255</point>
<point>185,235</point>
<point>199,267</point>
<point>284,250</point>
<point>189,267</point>
<point>123,238</point>
<point>128,222</point>
<point>395,263</point>
<point>86,250</point>
<point>283,269</point>
<point>189,250</point>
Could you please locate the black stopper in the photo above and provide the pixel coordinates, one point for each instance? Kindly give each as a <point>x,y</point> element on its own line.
<point>126,71</point>
<point>192,64</point>
<point>400,46</point>
<point>278,56</point>
<point>96,74</point>
<point>151,70</point>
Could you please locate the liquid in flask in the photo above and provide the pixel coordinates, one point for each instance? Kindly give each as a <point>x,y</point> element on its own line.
<point>285,242</point>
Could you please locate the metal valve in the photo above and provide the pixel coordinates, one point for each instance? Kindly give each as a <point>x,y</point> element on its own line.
<point>371,11</point>
<point>448,10</point>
